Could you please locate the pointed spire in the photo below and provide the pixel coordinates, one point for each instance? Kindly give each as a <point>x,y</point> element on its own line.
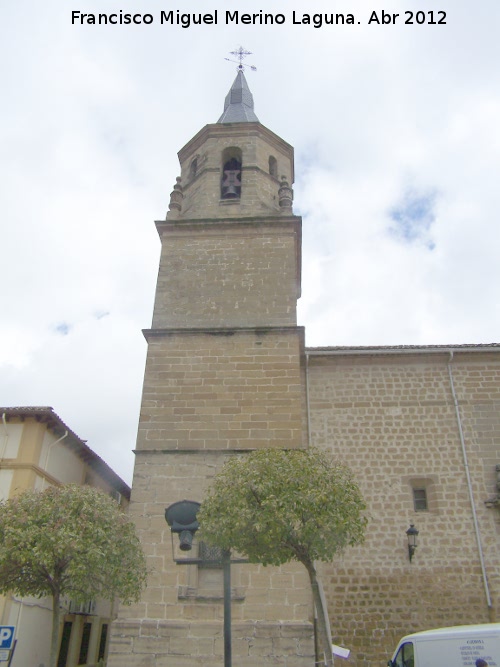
<point>238,105</point>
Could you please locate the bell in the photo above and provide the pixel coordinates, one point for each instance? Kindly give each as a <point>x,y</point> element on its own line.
<point>231,185</point>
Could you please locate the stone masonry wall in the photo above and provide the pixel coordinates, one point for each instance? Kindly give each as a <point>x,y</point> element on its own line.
<point>195,644</point>
<point>227,275</point>
<point>223,390</point>
<point>179,620</point>
<point>392,419</point>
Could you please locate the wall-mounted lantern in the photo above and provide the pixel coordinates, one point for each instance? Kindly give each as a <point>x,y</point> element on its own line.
<point>411,534</point>
<point>181,517</point>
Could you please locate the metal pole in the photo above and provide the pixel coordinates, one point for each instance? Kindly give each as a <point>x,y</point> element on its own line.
<point>226,560</point>
<point>12,652</point>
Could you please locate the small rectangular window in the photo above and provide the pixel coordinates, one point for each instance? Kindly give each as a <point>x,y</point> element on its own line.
<point>64,648</point>
<point>84,646</point>
<point>420,500</point>
<point>102,641</point>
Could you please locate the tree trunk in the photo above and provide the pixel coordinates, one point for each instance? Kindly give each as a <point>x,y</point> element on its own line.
<point>54,639</point>
<point>323,641</point>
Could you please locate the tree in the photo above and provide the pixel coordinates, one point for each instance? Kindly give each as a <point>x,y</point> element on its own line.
<point>69,541</point>
<point>276,505</point>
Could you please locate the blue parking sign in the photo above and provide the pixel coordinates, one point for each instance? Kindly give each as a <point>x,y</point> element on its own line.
<point>7,636</point>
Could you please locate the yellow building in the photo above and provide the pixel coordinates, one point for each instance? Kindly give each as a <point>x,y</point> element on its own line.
<point>38,450</point>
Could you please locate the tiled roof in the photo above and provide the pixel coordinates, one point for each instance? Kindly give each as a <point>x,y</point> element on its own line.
<point>47,415</point>
<point>389,349</point>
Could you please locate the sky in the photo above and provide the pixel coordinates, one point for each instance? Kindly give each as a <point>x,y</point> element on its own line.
<point>396,130</point>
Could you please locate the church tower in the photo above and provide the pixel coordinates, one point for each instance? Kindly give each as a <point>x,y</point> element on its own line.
<point>224,374</point>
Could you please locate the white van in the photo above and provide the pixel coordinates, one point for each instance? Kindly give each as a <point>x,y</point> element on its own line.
<point>460,646</point>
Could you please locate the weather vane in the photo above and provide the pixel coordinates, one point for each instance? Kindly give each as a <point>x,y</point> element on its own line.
<point>240,53</point>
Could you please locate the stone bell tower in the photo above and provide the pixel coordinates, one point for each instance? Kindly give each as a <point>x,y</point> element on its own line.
<point>224,374</point>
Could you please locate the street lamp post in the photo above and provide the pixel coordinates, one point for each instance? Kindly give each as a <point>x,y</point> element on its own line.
<point>181,517</point>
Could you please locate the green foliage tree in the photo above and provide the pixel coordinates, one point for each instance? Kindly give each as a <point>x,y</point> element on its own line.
<point>275,506</point>
<point>69,542</point>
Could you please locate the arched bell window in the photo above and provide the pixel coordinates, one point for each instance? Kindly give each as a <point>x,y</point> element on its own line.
<point>193,168</point>
<point>273,166</point>
<point>231,174</point>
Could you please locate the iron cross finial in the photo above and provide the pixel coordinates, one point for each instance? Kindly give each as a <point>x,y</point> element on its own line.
<point>241,53</point>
